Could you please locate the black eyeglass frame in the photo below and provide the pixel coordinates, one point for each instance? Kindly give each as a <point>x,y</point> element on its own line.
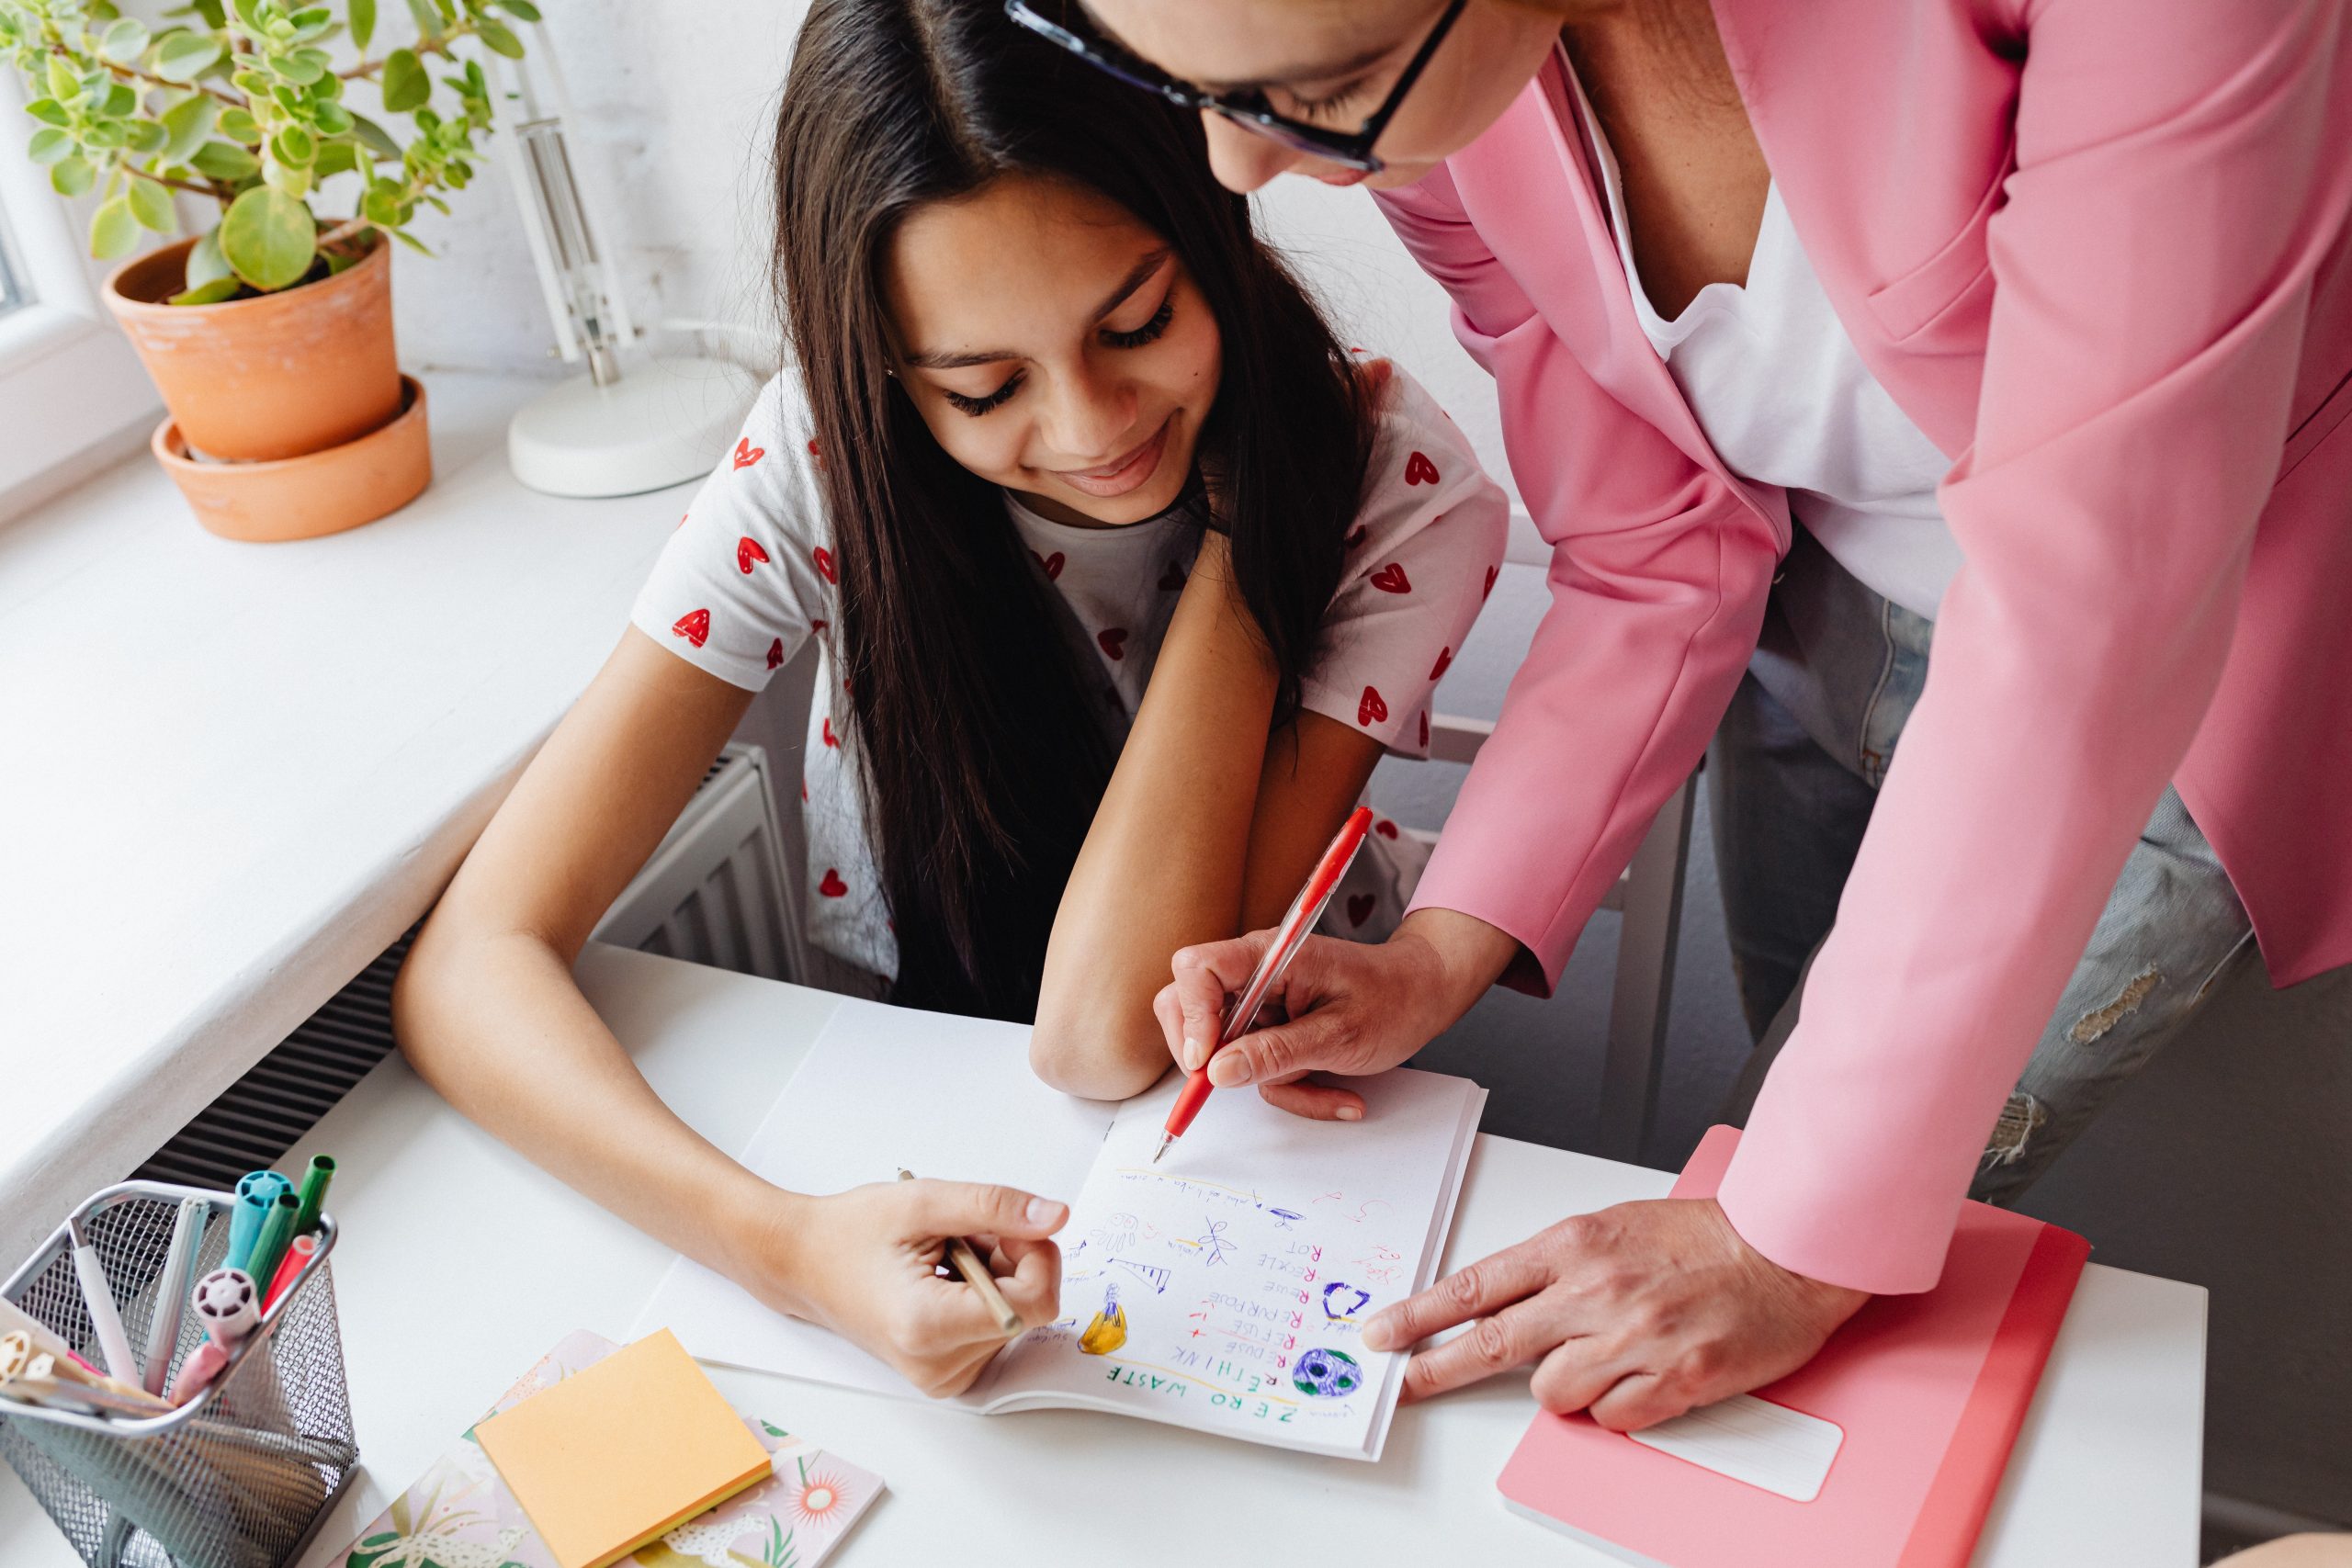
<point>1350,149</point>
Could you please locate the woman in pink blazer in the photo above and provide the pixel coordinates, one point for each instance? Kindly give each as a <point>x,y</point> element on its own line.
<point>2094,252</point>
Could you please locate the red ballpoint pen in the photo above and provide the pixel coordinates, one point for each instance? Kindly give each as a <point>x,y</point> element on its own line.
<point>1305,910</point>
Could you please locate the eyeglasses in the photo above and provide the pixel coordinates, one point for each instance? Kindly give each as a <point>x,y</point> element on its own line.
<point>1249,110</point>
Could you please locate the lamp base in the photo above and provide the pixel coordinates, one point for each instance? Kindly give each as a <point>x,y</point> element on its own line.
<point>665,422</point>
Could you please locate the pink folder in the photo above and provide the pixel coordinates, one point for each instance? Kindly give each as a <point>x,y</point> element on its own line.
<point>1928,1392</point>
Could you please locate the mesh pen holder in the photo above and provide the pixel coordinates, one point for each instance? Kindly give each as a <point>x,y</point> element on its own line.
<point>239,1477</point>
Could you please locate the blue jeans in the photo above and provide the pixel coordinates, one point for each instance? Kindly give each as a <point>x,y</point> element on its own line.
<point>1791,776</point>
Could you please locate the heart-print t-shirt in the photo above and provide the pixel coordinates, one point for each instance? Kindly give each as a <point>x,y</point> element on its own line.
<point>750,577</point>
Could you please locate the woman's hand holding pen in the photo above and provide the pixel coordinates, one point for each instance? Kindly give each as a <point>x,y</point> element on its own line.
<point>1349,1007</point>
<point>864,1263</point>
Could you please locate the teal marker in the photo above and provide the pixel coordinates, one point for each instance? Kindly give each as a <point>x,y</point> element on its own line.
<point>256,1193</point>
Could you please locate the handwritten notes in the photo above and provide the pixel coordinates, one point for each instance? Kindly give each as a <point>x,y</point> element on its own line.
<point>1227,1287</point>
<point>1224,1288</point>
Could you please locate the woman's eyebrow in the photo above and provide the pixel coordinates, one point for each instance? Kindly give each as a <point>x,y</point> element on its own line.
<point>1317,70</point>
<point>1136,277</point>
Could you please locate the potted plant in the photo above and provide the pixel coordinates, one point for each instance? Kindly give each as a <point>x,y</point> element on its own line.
<point>270,332</point>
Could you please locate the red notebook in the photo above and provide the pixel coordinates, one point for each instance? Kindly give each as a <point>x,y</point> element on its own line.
<point>1883,1452</point>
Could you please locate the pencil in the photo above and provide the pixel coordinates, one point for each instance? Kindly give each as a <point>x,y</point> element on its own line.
<point>975,1274</point>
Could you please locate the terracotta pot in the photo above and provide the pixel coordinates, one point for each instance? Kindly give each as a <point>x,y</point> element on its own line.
<point>254,381</point>
<point>302,498</point>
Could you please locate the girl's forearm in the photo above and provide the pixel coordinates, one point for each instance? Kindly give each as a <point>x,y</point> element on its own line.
<point>1162,865</point>
<point>496,1024</point>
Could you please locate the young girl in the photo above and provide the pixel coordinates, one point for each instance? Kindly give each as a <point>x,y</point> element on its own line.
<point>1123,574</point>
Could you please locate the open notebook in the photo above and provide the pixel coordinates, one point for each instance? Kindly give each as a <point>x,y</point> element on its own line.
<point>1223,1288</point>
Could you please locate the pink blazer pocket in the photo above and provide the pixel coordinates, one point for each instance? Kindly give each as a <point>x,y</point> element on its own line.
<point>1942,288</point>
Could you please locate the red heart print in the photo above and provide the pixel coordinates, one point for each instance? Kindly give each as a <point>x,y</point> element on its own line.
<point>1419,470</point>
<point>746,454</point>
<point>831,739</point>
<point>682,518</point>
<point>1050,565</point>
<point>817,627</point>
<point>824,560</point>
<point>1391,579</point>
<point>1425,730</point>
<point>1358,537</point>
<point>1172,579</point>
<point>1492,572</point>
<point>1444,657</point>
<point>1369,708</point>
<point>832,887</point>
<point>1354,350</point>
<point>748,553</point>
<point>804,790</point>
<point>1114,640</point>
<point>1384,827</point>
<point>776,653</point>
<point>816,457</point>
<point>694,626</point>
<point>1359,908</point>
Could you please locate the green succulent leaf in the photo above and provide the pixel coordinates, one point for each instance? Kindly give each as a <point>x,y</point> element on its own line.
<point>151,204</point>
<point>63,85</point>
<point>428,19</point>
<point>187,124</point>
<point>412,242</point>
<point>225,161</point>
<point>239,125</point>
<point>362,14</point>
<point>499,38</point>
<point>521,10</point>
<point>113,230</point>
<point>184,56</point>
<point>295,146</point>
<point>147,136</point>
<point>374,137</point>
<point>302,67</point>
<point>406,87</point>
<point>125,41</point>
<point>287,179</point>
<point>333,120</point>
<point>381,204</point>
<point>48,145</point>
<point>269,238</point>
<point>205,262</point>
<point>209,293</point>
<point>72,176</point>
<point>49,111</point>
<point>336,157</point>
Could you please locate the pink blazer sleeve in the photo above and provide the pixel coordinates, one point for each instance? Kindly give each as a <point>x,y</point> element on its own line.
<point>2181,171</point>
<point>1658,578</point>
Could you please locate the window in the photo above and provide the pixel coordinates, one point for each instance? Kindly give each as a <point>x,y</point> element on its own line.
<point>71,392</point>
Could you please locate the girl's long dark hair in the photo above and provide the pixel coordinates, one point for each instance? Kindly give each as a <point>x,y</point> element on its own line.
<point>979,729</point>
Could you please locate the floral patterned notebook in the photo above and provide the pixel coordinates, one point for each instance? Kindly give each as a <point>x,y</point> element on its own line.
<point>458,1516</point>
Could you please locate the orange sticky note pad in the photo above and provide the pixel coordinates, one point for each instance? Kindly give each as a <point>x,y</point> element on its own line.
<point>621,1452</point>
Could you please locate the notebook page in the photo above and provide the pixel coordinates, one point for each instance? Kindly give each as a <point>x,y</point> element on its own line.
<point>882,1088</point>
<point>1226,1288</point>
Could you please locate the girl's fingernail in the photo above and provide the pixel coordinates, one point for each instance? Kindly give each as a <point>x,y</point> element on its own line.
<point>1044,1212</point>
<point>1350,1113</point>
<point>1195,1052</point>
<point>1375,1335</point>
<point>1228,1071</point>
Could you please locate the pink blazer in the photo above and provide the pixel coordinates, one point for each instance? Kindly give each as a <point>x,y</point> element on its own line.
<point>2097,249</point>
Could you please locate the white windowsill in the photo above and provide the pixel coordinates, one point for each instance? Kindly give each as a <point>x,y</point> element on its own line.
<point>233,773</point>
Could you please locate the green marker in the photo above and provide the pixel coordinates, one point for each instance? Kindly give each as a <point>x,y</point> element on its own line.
<point>314,1193</point>
<point>276,1231</point>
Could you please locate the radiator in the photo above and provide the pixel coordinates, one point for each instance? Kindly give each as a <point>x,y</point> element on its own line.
<point>715,892</point>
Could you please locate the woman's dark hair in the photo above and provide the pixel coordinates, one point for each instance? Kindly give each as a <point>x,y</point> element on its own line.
<point>980,731</point>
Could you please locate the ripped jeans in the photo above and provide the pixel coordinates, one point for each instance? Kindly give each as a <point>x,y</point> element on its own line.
<point>1792,775</point>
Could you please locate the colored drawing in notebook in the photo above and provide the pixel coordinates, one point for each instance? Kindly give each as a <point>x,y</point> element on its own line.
<point>1108,1330</point>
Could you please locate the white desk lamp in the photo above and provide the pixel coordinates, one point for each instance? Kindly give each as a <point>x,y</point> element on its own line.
<point>665,421</point>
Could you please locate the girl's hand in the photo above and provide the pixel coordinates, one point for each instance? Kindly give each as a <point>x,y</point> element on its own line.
<point>865,1264</point>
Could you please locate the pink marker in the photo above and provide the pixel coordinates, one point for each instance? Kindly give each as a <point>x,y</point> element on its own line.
<point>227,1303</point>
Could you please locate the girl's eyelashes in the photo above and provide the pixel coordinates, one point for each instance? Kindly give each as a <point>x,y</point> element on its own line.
<point>977,406</point>
<point>1147,333</point>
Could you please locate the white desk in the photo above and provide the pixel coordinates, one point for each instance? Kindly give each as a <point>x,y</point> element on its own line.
<point>2107,1471</point>
<point>236,773</point>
